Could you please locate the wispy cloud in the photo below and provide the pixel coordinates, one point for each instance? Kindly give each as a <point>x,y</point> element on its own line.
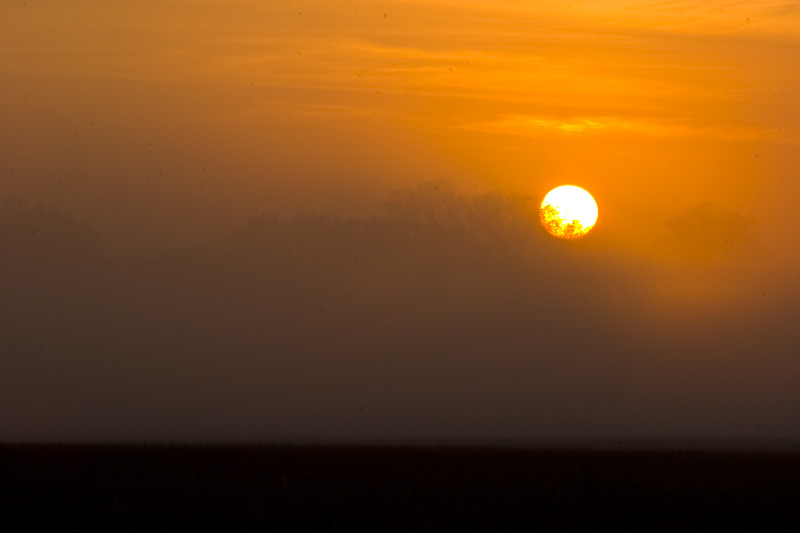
<point>679,16</point>
<point>610,125</point>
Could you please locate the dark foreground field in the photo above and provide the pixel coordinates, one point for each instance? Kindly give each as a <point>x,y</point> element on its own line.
<point>162,488</point>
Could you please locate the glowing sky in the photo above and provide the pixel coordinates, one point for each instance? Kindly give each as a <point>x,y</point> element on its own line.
<point>316,105</point>
<point>171,123</point>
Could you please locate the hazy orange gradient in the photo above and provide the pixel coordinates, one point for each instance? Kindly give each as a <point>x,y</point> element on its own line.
<point>203,113</point>
<point>204,140</point>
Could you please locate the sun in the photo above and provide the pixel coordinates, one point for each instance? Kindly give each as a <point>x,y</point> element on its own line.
<point>568,212</point>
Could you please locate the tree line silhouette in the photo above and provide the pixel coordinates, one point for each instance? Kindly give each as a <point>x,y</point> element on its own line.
<point>442,309</point>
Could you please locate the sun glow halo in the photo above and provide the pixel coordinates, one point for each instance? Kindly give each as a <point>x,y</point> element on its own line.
<point>568,212</point>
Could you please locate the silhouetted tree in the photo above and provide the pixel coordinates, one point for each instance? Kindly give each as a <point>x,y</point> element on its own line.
<point>45,253</point>
<point>430,205</point>
<point>707,232</point>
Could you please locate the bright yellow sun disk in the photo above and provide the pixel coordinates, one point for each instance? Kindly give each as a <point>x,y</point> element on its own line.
<point>568,212</point>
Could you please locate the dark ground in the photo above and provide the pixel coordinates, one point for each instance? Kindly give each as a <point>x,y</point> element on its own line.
<point>290,488</point>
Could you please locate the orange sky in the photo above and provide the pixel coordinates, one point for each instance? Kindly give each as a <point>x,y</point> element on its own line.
<point>166,123</point>
<point>206,112</point>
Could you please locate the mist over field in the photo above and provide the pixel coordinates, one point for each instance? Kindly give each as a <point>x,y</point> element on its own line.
<point>447,316</point>
<point>318,221</point>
